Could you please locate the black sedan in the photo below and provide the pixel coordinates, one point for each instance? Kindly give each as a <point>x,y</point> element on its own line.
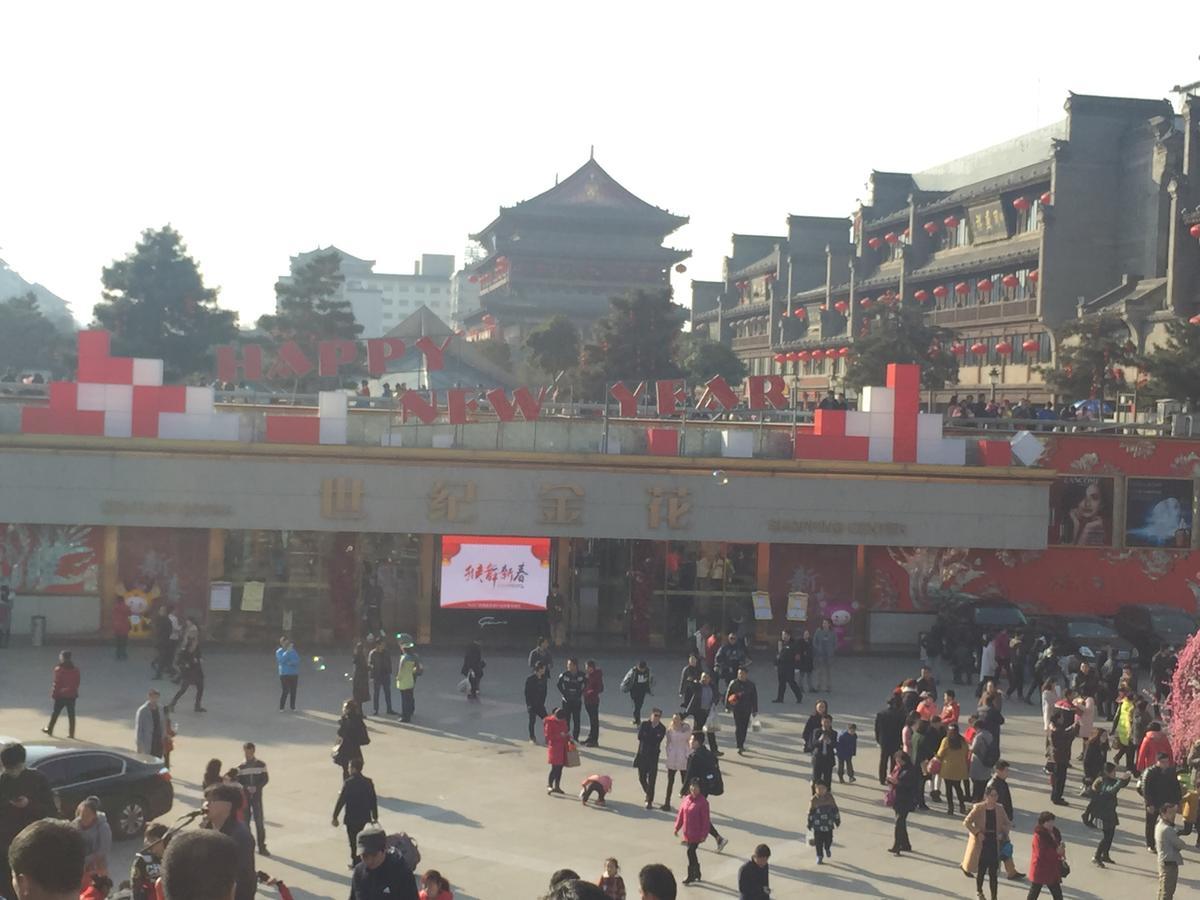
<point>1087,636</point>
<point>967,615</point>
<point>133,789</point>
<point>1149,627</point>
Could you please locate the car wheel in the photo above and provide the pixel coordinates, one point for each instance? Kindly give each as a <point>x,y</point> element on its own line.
<point>131,817</point>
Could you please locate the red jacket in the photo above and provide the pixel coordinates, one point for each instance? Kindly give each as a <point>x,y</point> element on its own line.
<point>1044,866</point>
<point>693,819</point>
<point>1154,743</point>
<point>120,619</point>
<point>594,686</point>
<point>66,683</point>
<point>556,732</point>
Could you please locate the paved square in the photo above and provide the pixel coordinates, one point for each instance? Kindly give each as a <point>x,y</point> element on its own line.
<point>465,782</point>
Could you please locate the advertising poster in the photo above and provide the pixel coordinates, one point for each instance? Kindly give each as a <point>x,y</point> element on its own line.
<point>1081,511</point>
<point>1158,512</point>
<point>495,572</point>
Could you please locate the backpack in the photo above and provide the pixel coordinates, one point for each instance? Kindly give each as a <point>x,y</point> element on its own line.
<point>406,848</point>
<point>627,682</point>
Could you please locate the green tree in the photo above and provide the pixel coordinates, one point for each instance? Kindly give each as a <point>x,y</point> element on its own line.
<point>497,351</point>
<point>638,340</point>
<point>156,305</point>
<point>701,359</point>
<point>28,340</point>
<point>309,309</point>
<point>900,334</point>
<point>1174,367</point>
<point>554,346</point>
<point>1090,352</point>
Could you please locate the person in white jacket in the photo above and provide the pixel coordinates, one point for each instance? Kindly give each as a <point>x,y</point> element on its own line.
<point>679,735</point>
<point>987,664</point>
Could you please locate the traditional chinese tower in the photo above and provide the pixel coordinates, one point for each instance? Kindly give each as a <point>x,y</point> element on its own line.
<point>567,252</point>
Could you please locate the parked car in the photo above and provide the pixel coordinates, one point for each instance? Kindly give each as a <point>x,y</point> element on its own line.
<point>975,616</point>
<point>1085,636</point>
<point>133,789</point>
<point>1149,627</point>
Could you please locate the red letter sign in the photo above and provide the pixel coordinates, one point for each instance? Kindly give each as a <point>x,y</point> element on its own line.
<point>767,390</point>
<point>717,392</point>
<point>435,356</point>
<point>250,365</point>
<point>627,401</point>
<point>460,402</point>
<point>380,351</point>
<point>505,412</point>
<point>670,393</point>
<point>291,362</point>
<point>332,355</point>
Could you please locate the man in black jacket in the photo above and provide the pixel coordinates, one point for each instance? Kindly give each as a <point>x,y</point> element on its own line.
<point>541,655</point>
<point>535,697</point>
<point>381,875</point>
<point>649,737</point>
<point>571,684</point>
<point>1160,784</point>
<point>221,803</point>
<point>889,723</point>
<point>742,699</point>
<point>253,776</point>
<point>161,626</point>
<point>689,680</point>
<point>379,664</point>
<point>360,804</point>
<point>785,668</point>
<point>704,768</point>
<point>999,784</point>
<point>25,797</point>
<point>191,674</point>
<point>754,877</point>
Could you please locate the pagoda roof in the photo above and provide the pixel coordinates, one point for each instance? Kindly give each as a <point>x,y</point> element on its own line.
<point>590,192</point>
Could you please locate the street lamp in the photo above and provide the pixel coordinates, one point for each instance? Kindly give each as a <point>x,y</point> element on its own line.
<point>994,378</point>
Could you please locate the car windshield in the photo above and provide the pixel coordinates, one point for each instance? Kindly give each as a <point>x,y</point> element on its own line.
<point>999,615</point>
<point>1090,630</point>
<point>1172,622</point>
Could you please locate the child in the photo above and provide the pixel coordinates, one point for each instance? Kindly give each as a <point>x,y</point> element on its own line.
<point>435,887</point>
<point>598,784</point>
<point>147,862</point>
<point>927,706</point>
<point>950,709</point>
<point>847,747</point>
<point>100,888</point>
<point>823,817</point>
<point>611,881</point>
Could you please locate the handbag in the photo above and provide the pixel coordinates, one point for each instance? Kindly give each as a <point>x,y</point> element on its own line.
<point>1064,869</point>
<point>712,727</point>
<point>464,685</point>
<point>755,724</point>
<point>935,766</point>
<point>572,756</point>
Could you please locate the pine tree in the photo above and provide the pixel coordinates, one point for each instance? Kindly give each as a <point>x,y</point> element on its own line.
<point>637,341</point>
<point>1090,354</point>
<point>702,359</point>
<point>1174,367</point>
<point>900,334</point>
<point>554,346</point>
<point>28,340</point>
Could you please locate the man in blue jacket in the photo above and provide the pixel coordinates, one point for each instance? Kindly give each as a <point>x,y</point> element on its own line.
<point>288,662</point>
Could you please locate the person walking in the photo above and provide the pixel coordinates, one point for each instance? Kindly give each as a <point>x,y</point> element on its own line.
<point>1049,855</point>
<point>593,687</point>
<point>804,660</point>
<point>379,664</point>
<point>650,736</point>
<point>999,783</point>
<point>253,777</point>
<point>287,661</point>
<point>571,684</point>
<point>754,877</point>
<point>742,700</point>
<point>191,674</point>
<point>689,680</point>
<point>824,754</point>
<point>785,668</point>
<point>700,707</point>
<point>847,749</point>
<point>164,652</point>
<point>556,732</point>
<point>813,725</point>
<point>982,760</point>
<point>1063,730</point>
<point>407,671</point>
<point>150,727</point>
<point>381,875</point>
<point>989,827</point>
<point>535,697</point>
<point>1123,730</point>
<point>704,768</point>
<point>1170,850</point>
<point>904,780</point>
<point>357,804</point>
<point>952,755</point>
<point>1160,786</point>
<point>824,647</point>
<point>119,621</point>
<point>1103,809</point>
<point>360,677</point>
<point>638,682</point>
<point>64,691</point>
<point>679,734</point>
<point>472,668</point>
<point>352,737</point>
<point>889,722</point>
<point>823,818</point>
<point>694,819</point>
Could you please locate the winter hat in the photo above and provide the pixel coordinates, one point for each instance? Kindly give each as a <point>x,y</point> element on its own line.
<point>372,839</point>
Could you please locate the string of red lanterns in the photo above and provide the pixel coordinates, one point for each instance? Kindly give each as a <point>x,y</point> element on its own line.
<point>1022,203</point>
<point>1194,231</point>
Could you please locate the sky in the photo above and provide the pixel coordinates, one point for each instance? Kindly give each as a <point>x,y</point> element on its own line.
<point>263,129</point>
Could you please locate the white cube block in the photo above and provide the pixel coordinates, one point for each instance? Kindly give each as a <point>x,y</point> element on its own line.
<point>118,397</point>
<point>224,427</point>
<point>148,372</point>
<point>929,425</point>
<point>332,431</point>
<point>1026,448</point>
<point>877,399</point>
<point>858,424</point>
<point>879,449</point>
<point>118,424</point>
<point>443,441</point>
<point>90,396</point>
<point>173,426</point>
<point>882,424</point>
<point>737,443</point>
<point>947,452</point>
<point>198,401</point>
<point>332,405</point>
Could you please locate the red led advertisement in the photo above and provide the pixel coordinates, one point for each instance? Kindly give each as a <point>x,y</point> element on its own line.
<point>495,572</point>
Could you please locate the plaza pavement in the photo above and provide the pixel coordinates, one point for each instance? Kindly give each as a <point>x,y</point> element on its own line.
<point>466,784</point>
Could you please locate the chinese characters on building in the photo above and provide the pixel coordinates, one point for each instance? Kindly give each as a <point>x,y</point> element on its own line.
<point>494,575</point>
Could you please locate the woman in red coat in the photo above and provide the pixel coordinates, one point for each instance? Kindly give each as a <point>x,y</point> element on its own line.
<point>554,727</point>
<point>64,690</point>
<point>1045,868</point>
<point>695,821</point>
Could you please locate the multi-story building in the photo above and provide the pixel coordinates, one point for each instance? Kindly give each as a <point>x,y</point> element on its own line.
<point>567,252</point>
<point>382,300</point>
<point>1002,246</point>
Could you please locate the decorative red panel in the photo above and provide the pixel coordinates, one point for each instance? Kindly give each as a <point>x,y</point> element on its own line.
<point>293,429</point>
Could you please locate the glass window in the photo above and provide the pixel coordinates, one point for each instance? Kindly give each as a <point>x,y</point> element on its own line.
<point>81,767</point>
<point>420,288</point>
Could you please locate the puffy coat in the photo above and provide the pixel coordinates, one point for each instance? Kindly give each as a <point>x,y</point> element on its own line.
<point>693,819</point>
<point>980,747</point>
<point>954,761</point>
<point>677,747</point>
<point>555,730</point>
<point>65,685</point>
<point>1154,743</point>
<point>1045,866</point>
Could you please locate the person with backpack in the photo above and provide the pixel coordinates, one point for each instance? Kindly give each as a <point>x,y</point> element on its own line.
<point>593,687</point>
<point>823,818</point>
<point>382,874</point>
<point>358,805</point>
<point>64,691</point>
<point>638,682</point>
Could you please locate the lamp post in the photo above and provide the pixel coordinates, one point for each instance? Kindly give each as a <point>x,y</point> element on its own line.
<point>994,378</point>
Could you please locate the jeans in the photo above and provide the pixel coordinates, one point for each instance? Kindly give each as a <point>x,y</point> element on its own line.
<point>593,714</point>
<point>741,724</point>
<point>1055,889</point>
<point>824,678</point>
<point>693,872</point>
<point>122,642</point>
<point>199,684</point>
<point>885,765</point>
<point>648,777</point>
<point>900,834</point>
<point>287,689</point>
<point>571,708</point>
<point>824,842</point>
<point>845,767</point>
<point>386,686</point>
<point>700,718</point>
<point>1058,781</point>
<point>787,679</point>
<point>61,703</point>
<point>254,810</point>
<point>408,704</point>
<point>638,696</point>
<point>352,831</point>
<point>534,715</point>
<point>671,784</point>
<point>555,778</point>
<point>1106,842</point>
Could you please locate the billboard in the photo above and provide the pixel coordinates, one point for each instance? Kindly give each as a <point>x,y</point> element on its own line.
<point>1081,511</point>
<point>495,572</point>
<point>1158,512</point>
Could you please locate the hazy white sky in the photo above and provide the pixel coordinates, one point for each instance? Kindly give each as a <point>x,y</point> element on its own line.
<point>260,129</point>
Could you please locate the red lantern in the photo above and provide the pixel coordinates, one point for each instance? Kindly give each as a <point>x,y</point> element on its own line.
<point>803,356</point>
<point>892,238</point>
<point>680,268</point>
<point>958,349</point>
<point>1010,281</point>
<point>962,288</point>
<point>984,285</point>
<point>1194,320</point>
<point>489,319</point>
<point>979,348</point>
<point>824,307</point>
<point>843,352</point>
<point>818,354</point>
<point>1194,231</point>
<point>865,302</point>
<point>1030,345</point>
<point>922,295</point>
<point>1004,348</point>
<point>841,306</point>
<point>781,357</point>
<point>874,243</point>
<point>473,278</point>
<point>931,228</point>
<point>1047,199</point>
<point>951,222</point>
<point>800,312</point>
<point>940,291</point>
<point>1033,276</point>
<point>1022,203</point>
